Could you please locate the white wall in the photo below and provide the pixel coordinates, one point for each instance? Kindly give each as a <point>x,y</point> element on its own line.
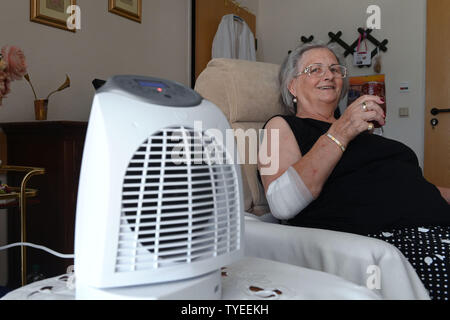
<point>280,24</point>
<point>107,44</point>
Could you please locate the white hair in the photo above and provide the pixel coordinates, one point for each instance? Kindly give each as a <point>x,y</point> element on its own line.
<point>289,70</point>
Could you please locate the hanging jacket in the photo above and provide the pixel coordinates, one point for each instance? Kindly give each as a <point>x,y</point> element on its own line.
<point>234,40</point>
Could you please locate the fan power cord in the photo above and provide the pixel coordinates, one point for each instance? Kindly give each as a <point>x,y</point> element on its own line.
<point>27,244</point>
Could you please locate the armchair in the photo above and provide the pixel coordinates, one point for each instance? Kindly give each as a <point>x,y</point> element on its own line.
<point>247,93</point>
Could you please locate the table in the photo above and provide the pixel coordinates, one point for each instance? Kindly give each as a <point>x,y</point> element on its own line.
<point>22,193</point>
<point>247,279</point>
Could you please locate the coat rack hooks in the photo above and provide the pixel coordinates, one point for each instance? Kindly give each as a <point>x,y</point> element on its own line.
<point>378,45</point>
<point>381,45</point>
<point>337,38</point>
<point>307,40</point>
<point>350,49</point>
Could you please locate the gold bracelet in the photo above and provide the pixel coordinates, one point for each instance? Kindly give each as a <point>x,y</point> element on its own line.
<point>336,141</point>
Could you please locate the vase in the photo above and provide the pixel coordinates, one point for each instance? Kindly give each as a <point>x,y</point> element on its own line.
<point>40,109</point>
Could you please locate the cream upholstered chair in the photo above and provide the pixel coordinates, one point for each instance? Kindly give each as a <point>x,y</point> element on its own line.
<point>247,104</point>
<point>247,93</point>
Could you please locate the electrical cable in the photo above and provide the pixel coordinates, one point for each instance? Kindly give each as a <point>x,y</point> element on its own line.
<point>19,244</point>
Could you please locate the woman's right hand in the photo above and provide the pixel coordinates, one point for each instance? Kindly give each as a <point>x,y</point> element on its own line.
<point>357,118</point>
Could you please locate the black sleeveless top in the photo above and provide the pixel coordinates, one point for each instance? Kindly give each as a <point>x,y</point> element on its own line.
<point>377,184</point>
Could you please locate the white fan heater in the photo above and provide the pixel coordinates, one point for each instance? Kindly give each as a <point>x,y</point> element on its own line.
<point>159,207</point>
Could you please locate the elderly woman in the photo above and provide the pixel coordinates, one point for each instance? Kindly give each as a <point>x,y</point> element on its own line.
<point>336,174</point>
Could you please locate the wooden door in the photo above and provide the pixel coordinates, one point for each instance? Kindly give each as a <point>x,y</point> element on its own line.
<point>437,138</point>
<point>208,14</point>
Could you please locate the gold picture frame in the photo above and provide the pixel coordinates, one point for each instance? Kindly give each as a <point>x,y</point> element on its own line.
<point>130,9</point>
<point>51,13</point>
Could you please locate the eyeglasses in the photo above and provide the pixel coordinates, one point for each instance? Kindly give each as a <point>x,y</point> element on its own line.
<point>317,70</point>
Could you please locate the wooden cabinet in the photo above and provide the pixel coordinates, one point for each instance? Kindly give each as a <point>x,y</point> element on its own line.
<point>56,146</point>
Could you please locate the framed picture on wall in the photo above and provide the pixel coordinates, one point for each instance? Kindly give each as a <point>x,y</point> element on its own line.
<point>131,9</point>
<point>52,13</point>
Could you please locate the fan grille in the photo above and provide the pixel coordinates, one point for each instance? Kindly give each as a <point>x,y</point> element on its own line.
<point>180,202</point>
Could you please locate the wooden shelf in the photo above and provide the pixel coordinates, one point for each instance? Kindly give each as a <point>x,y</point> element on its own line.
<point>15,194</point>
<point>16,203</point>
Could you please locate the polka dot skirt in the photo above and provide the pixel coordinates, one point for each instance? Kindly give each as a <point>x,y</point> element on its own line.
<point>428,251</point>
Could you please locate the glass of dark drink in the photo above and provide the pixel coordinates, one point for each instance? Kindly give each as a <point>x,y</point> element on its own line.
<point>376,89</point>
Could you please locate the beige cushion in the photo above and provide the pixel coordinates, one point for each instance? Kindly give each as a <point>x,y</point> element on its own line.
<point>247,93</point>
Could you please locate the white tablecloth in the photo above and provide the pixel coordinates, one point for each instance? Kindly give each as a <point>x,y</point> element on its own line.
<point>348,256</point>
<point>247,279</point>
